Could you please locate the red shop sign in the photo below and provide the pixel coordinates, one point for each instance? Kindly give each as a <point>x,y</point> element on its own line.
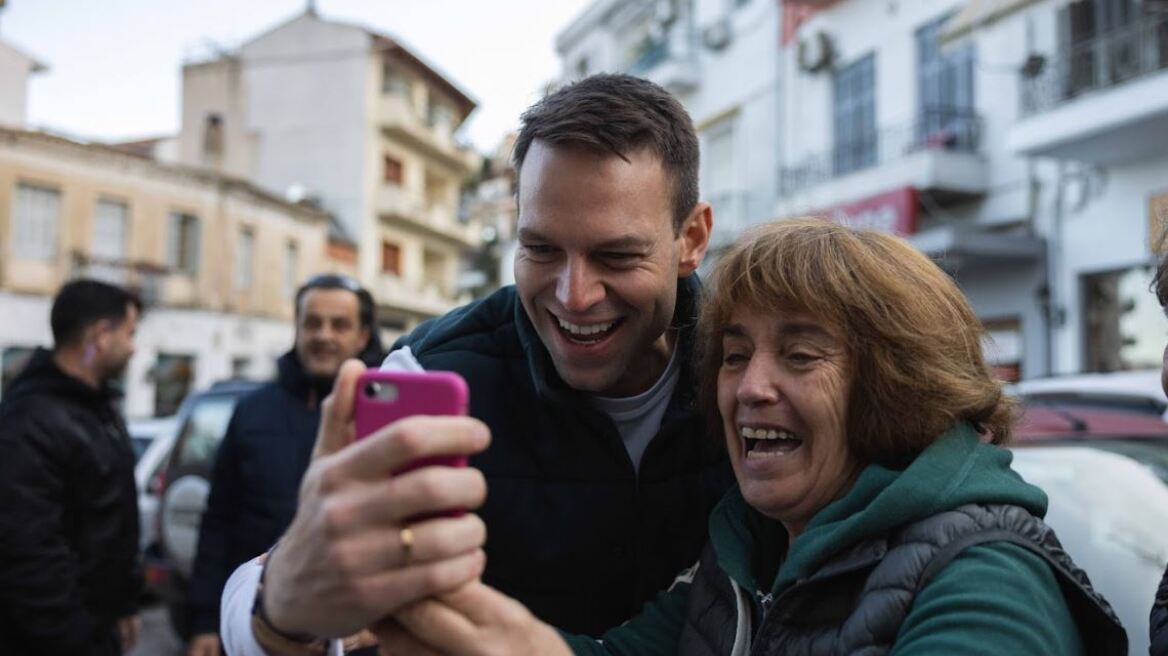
<point>892,211</point>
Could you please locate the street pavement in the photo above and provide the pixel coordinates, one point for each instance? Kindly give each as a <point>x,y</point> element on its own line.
<point>157,638</point>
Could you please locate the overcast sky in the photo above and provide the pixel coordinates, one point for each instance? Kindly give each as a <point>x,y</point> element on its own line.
<point>114,65</point>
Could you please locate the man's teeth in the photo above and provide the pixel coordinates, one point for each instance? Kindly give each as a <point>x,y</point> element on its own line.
<point>767,434</point>
<point>584,330</point>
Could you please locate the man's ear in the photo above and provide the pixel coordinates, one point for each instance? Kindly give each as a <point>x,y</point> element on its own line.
<point>694,238</point>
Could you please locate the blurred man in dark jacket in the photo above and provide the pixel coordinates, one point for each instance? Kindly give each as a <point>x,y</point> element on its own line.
<point>69,575</point>
<point>256,478</point>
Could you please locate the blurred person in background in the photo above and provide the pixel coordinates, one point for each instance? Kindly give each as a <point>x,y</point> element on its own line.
<point>874,511</point>
<point>266,449</point>
<point>69,571</point>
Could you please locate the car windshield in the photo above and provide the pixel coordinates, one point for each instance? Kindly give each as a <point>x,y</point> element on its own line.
<point>1151,453</point>
<point>204,428</point>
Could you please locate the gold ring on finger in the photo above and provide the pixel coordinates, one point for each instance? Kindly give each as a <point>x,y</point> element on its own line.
<point>406,537</point>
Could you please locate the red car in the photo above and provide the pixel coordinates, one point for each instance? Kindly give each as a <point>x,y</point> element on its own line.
<point>1138,435</point>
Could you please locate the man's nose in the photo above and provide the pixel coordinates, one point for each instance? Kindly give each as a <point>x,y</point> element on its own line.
<point>578,287</point>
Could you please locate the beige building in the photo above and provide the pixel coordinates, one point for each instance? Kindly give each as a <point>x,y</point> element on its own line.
<point>216,259</point>
<point>355,122</point>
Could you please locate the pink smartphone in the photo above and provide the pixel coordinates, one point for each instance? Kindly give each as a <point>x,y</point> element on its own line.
<point>383,397</point>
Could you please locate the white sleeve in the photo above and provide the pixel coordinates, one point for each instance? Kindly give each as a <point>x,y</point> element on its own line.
<point>235,613</point>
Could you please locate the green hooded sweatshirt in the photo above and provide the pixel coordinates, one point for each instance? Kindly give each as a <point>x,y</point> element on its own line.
<point>994,598</point>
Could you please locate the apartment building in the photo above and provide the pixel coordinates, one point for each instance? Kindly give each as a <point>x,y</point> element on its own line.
<point>216,259</point>
<point>361,125</point>
<point>719,58</point>
<point>16,69</point>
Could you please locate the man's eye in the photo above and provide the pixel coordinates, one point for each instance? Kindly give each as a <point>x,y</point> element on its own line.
<point>538,249</point>
<point>618,257</point>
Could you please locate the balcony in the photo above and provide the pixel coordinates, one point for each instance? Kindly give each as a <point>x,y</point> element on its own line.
<point>398,206</point>
<point>145,279</point>
<point>937,153</point>
<point>419,301</point>
<point>659,63</point>
<point>400,120</point>
<point>1103,100</point>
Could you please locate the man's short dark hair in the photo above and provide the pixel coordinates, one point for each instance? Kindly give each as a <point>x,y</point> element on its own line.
<point>618,114</point>
<point>366,312</point>
<point>81,303</point>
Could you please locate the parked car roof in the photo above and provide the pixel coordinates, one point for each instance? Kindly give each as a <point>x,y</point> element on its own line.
<point>1126,390</point>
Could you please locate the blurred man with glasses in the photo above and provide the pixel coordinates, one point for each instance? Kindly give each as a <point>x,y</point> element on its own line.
<point>266,449</point>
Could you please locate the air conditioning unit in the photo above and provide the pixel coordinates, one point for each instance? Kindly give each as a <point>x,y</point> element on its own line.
<point>717,35</point>
<point>816,53</point>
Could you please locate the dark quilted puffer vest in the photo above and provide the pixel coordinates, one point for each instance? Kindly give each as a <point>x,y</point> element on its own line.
<point>856,602</point>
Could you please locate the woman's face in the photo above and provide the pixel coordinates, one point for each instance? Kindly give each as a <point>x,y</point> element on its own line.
<point>783,394</point>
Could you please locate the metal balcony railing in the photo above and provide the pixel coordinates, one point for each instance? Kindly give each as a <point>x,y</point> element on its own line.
<point>1127,53</point>
<point>950,130</point>
<point>651,56</point>
<point>143,278</point>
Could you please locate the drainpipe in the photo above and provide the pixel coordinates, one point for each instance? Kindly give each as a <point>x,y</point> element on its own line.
<point>1056,308</point>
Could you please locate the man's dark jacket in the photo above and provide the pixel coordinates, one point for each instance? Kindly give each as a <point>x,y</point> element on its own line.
<point>255,482</point>
<point>68,515</point>
<point>573,531</point>
<point>1158,622</point>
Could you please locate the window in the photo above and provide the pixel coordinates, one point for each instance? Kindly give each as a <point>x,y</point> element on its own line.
<point>393,81</point>
<point>199,437</point>
<point>109,230</point>
<point>173,375</point>
<point>944,91</point>
<point>1122,322</point>
<point>213,136</point>
<point>35,213</point>
<point>854,117</point>
<point>13,361</point>
<point>390,258</point>
<point>719,179</point>
<point>291,268</point>
<point>392,170</point>
<point>439,116</point>
<point>244,259</point>
<point>182,243</point>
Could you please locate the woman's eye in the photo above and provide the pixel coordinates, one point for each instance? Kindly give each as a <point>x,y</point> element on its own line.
<point>801,358</point>
<point>731,359</point>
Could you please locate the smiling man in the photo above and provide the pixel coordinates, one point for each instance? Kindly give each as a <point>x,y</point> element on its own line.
<point>600,473</point>
<point>267,445</point>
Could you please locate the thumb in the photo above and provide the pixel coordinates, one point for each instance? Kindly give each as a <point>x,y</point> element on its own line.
<point>336,417</point>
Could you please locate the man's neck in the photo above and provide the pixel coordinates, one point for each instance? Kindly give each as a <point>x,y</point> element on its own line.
<point>646,370</point>
<point>73,365</point>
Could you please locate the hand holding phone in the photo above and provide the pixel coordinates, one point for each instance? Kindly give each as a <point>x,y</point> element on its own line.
<point>383,397</point>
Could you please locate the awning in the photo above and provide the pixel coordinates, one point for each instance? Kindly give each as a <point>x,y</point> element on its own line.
<point>977,13</point>
<point>955,249</point>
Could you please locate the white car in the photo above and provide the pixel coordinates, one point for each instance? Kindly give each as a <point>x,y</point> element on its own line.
<point>1140,391</point>
<point>1109,512</point>
<point>158,437</point>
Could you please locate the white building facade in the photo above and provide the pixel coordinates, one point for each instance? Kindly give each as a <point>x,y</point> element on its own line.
<point>719,58</point>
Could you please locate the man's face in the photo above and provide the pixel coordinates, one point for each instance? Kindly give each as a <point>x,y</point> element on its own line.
<point>114,344</point>
<point>328,330</point>
<point>598,263</point>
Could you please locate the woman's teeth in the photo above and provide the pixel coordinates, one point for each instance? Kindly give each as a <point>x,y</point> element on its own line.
<point>769,442</point>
